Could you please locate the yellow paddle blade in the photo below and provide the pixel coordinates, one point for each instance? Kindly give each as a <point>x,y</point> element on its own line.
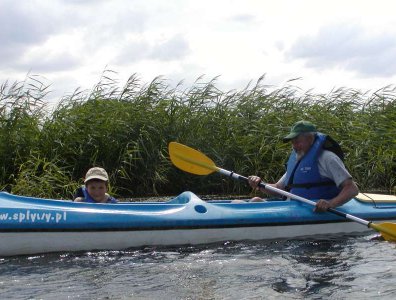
<point>387,230</point>
<point>190,160</point>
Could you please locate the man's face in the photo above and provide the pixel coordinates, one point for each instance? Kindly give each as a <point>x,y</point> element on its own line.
<point>301,144</point>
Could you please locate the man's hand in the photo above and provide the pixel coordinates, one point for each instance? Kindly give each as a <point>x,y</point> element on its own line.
<point>322,206</point>
<point>348,191</point>
<point>254,182</point>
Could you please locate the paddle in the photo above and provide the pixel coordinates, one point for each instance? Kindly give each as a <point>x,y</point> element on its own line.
<point>195,162</point>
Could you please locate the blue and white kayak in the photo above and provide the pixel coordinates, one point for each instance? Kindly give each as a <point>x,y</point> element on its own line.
<point>33,225</point>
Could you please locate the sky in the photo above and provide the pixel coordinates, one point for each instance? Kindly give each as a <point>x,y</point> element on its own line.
<point>323,44</point>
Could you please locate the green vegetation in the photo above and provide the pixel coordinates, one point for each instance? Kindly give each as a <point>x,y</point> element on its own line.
<point>127,129</point>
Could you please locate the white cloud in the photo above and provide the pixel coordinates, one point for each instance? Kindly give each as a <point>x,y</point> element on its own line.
<point>21,27</point>
<point>349,47</point>
<point>326,43</point>
<point>174,48</point>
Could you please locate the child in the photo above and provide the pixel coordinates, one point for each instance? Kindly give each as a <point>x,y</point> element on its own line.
<point>95,189</point>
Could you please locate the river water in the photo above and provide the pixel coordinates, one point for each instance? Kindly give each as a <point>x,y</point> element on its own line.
<point>348,267</point>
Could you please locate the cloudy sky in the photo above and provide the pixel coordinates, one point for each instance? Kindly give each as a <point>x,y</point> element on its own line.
<point>327,44</point>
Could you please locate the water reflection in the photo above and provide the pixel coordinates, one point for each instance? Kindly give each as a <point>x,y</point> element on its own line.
<point>313,266</point>
<point>307,268</point>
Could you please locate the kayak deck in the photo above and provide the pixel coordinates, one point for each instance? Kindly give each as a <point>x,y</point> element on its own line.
<point>185,210</point>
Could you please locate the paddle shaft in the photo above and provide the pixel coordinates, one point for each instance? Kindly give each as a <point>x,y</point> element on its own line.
<point>295,197</point>
<point>195,162</point>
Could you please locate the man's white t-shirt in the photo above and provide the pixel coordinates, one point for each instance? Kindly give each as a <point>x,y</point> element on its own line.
<point>330,166</point>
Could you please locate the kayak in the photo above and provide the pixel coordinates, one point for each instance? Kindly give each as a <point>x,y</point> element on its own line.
<point>31,225</point>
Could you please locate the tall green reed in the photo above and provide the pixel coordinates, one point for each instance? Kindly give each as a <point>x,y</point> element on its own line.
<point>22,109</point>
<point>126,129</point>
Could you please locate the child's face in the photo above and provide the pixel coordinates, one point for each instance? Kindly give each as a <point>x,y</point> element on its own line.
<point>97,190</point>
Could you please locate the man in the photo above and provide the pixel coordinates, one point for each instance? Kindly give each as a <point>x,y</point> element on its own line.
<point>313,171</point>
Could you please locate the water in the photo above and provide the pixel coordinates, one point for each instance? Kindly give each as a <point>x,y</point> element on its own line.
<point>350,267</point>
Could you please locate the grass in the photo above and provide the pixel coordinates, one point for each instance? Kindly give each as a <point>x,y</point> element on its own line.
<point>126,130</point>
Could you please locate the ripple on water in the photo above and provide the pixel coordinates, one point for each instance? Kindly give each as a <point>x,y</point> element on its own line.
<point>337,268</point>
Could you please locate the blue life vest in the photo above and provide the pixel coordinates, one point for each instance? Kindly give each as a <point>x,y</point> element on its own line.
<point>303,177</point>
<point>89,199</point>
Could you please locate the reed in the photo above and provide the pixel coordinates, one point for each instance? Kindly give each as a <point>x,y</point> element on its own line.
<point>126,129</point>
<point>22,107</point>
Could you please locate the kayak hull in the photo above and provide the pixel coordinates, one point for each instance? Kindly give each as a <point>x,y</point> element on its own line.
<point>32,225</point>
<point>25,243</point>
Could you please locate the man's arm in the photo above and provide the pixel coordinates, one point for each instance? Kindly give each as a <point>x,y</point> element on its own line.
<point>348,191</point>
<point>255,180</point>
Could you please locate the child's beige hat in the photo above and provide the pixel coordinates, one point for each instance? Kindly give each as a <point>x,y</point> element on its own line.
<point>96,173</point>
